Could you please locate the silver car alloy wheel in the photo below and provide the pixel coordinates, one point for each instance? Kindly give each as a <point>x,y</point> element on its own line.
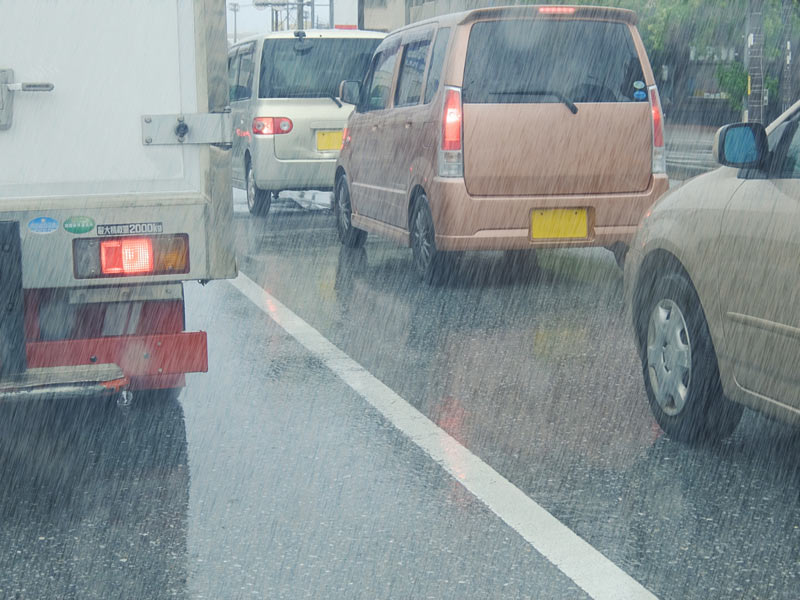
<point>669,356</point>
<point>251,190</point>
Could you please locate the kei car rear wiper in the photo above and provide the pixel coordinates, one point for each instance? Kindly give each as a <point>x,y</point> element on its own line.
<point>561,97</point>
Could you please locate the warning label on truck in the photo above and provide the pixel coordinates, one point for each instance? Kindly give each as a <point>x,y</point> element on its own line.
<point>130,229</point>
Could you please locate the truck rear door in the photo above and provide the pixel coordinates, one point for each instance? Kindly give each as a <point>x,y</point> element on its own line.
<point>123,131</point>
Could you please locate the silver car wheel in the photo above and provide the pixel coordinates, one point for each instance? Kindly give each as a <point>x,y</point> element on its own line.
<point>669,356</point>
<point>251,190</point>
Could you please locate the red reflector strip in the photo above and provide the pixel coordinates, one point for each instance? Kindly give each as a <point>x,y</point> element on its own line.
<point>128,256</point>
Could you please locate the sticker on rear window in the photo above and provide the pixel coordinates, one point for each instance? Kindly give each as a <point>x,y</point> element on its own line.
<point>640,95</point>
<point>639,85</point>
<point>43,225</point>
<point>130,229</point>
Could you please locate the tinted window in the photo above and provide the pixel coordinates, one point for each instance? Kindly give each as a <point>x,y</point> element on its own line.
<point>409,83</point>
<point>310,68</point>
<point>787,152</point>
<point>244,87</point>
<point>527,61</point>
<point>379,83</point>
<point>233,75</point>
<point>437,60</point>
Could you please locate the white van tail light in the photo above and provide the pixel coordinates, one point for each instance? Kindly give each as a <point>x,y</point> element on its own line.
<point>271,125</point>
<point>659,153</point>
<point>451,151</point>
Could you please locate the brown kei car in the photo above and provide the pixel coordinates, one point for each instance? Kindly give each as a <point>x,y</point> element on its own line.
<point>508,128</point>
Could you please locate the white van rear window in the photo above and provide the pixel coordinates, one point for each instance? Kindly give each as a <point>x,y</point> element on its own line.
<point>312,67</point>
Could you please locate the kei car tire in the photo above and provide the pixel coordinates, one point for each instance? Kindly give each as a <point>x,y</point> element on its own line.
<point>681,374</point>
<point>429,263</point>
<point>343,211</point>
<point>258,200</point>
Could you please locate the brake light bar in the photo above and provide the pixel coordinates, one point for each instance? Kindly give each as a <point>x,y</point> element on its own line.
<point>557,10</point>
<point>272,125</point>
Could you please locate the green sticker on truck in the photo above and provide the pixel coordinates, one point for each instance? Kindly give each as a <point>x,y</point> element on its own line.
<point>79,224</point>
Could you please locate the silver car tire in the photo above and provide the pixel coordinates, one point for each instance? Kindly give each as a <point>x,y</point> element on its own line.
<point>679,363</point>
<point>258,200</point>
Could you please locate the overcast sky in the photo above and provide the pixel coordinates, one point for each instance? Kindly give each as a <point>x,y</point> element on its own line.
<point>252,20</point>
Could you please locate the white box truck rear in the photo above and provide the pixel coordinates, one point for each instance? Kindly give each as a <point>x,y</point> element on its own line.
<point>114,189</point>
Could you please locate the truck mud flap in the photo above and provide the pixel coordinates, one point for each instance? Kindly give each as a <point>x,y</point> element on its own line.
<point>12,331</point>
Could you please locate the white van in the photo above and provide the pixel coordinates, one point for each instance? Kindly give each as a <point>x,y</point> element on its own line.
<point>287,119</point>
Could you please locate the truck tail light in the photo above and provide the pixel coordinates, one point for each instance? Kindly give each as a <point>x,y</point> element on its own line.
<point>451,154</point>
<point>126,256</point>
<point>659,154</point>
<point>272,125</point>
<point>130,256</point>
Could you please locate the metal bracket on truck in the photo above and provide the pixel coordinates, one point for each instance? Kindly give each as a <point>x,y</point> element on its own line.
<point>210,128</point>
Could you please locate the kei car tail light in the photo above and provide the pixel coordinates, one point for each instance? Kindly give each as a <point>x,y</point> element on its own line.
<point>659,154</point>
<point>451,151</point>
<point>272,125</point>
<point>130,256</point>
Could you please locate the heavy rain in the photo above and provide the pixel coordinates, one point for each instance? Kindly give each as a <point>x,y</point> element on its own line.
<point>444,299</point>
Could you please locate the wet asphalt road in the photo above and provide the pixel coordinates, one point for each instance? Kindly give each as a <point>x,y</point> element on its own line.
<point>271,478</point>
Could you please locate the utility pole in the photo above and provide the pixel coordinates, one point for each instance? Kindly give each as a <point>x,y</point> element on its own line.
<point>330,13</point>
<point>755,69</point>
<point>786,78</point>
<point>234,8</point>
<point>300,15</point>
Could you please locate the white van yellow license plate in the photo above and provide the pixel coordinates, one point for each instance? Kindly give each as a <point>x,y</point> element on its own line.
<point>329,140</point>
<point>559,224</point>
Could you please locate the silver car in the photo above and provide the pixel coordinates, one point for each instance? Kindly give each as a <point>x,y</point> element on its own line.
<point>713,282</point>
<point>287,118</point>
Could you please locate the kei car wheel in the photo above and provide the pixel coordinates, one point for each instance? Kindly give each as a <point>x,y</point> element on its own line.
<point>681,374</point>
<point>428,261</point>
<point>258,200</point>
<point>348,235</point>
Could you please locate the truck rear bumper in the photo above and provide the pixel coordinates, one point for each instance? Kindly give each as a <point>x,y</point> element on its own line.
<point>53,382</point>
<point>148,357</point>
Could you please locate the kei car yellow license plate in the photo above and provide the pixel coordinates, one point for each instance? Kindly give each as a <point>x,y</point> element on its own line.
<point>559,224</point>
<point>329,140</point>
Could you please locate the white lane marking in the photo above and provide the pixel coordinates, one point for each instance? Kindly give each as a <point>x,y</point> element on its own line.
<point>575,557</point>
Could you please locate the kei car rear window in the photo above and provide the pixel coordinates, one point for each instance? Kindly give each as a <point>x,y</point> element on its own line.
<point>312,67</point>
<point>530,61</point>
